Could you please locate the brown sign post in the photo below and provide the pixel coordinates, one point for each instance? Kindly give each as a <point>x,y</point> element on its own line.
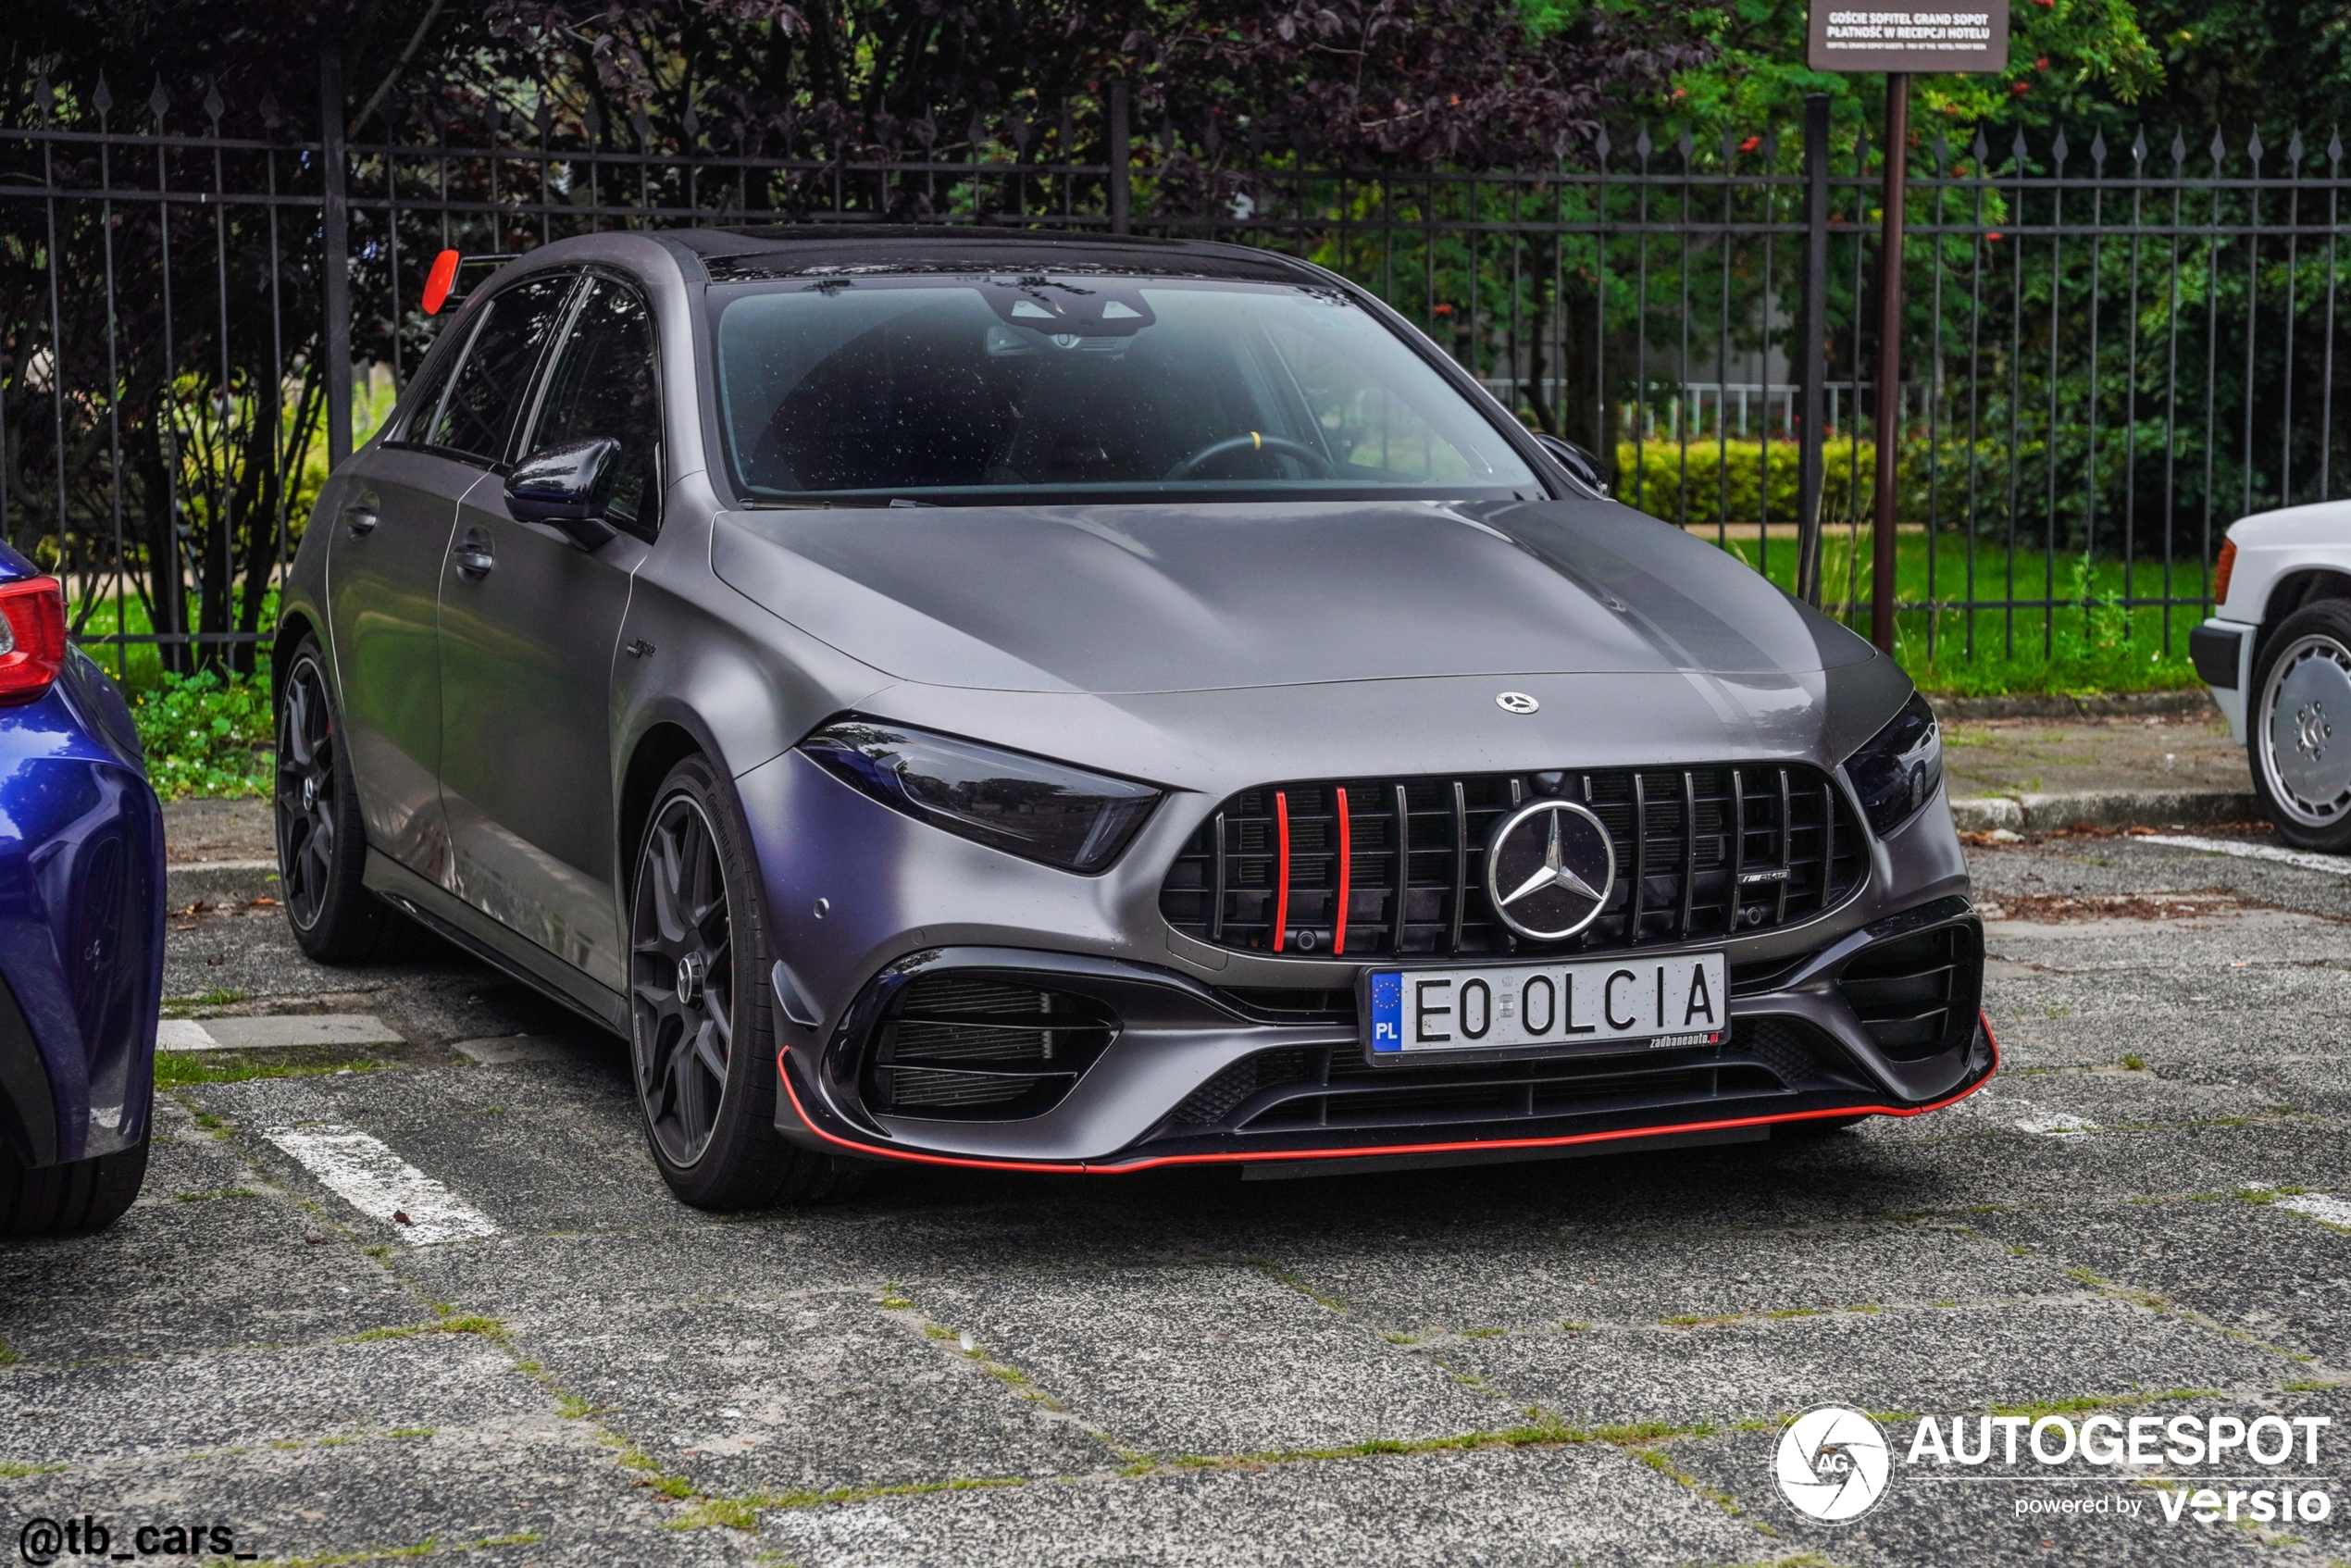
<point>1969,36</point>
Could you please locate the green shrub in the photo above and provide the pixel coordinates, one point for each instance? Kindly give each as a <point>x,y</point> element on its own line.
<point>207,734</point>
<point>1651,477</point>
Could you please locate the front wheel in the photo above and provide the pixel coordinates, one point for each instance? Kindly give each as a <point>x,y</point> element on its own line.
<point>2298,735</point>
<point>702,1049</point>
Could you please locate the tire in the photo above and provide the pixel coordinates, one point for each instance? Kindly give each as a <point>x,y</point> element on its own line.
<point>2298,730</point>
<point>71,1199</point>
<point>322,843</point>
<point>701,1040</point>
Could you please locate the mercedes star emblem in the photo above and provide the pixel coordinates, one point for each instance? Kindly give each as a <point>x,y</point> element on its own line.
<point>1516,703</point>
<point>1548,868</point>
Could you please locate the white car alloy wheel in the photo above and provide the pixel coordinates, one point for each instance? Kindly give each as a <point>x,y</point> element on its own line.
<point>2305,761</point>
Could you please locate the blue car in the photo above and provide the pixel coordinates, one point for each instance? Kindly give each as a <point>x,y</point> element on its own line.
<point>81,895</point>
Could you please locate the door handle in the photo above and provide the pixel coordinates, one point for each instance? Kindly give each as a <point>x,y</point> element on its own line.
<point>360,518</point>
<point>473,553</point>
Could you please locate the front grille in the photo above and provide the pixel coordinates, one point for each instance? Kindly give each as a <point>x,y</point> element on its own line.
<point>970,1048</point>
<point>1292,1089</point>
<point>1917,995</point>
<point>1706,847</point>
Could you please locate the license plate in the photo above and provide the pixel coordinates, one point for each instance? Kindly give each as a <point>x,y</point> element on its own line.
<point>1672,1000</point>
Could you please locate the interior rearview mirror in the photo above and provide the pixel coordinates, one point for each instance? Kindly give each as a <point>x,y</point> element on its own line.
<point>1581,465</point>
<point>568,487</point>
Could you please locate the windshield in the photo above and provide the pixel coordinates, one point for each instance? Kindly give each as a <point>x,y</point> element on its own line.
<point>965,390</point>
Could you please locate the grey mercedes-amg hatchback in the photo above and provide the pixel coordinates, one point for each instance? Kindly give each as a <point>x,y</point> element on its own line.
<point>987,698</point>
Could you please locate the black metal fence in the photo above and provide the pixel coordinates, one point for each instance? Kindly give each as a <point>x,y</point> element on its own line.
<point>2112,351</point>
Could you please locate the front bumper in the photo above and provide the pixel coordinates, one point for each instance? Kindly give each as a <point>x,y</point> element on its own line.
<point>866,902</point>
<point>1197,1075</point>
<point>2222,652</point>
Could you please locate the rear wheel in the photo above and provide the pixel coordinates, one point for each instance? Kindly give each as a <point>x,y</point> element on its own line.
<point>2298,735</point>
<point>322,847</point>
<point>703,1043</point>
<point>68,1200</point>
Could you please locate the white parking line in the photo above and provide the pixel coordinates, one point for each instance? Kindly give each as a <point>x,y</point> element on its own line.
<point>2057,1124</point>
<point>273,1032</point>
<point>2333,865</point>
<point>2319,1206</point>
<point>379,1183</point>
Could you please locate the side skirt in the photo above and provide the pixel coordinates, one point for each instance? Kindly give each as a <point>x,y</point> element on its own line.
<point>494,944</point>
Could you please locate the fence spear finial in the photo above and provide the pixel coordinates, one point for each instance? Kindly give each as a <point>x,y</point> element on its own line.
<point>159,100</point>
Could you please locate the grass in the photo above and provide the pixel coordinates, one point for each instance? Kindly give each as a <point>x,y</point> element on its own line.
<point>2090,643</point>
<point>207,735</point>
<point>176,1069</point>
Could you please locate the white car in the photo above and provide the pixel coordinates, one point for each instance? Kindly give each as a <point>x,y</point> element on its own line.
<point>2277,655</point>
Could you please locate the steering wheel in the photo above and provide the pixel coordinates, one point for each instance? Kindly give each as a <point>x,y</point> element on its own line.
<point>1253,441</point>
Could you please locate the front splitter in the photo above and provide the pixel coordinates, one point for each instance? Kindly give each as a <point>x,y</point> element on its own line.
<point>1632,1138</point>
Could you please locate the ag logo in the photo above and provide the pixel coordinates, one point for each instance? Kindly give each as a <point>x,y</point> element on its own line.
<point>1831,1464</point>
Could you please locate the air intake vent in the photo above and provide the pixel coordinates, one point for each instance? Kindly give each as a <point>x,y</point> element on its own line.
<point>1291,1088</point>
<point>1713,852</point>
<point>968,1047</point>
<point>1917,995</point>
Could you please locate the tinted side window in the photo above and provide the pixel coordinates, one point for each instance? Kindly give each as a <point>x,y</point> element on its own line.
<point>425,400</point>
<point>604,385</point>
<point>479,416</point>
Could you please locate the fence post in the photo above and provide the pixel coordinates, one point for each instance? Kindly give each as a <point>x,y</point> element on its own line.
<point>1889,359</point>
<point>1812,332</point>
<point>335,329</point>
<point>1121,217</point>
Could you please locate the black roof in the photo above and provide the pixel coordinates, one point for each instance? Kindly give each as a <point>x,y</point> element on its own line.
<point>806,250</point>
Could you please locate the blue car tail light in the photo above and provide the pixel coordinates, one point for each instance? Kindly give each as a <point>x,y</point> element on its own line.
<point>33,638</point>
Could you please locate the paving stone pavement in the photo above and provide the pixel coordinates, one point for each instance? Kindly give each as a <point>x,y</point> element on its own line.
<point>1584,1361</point>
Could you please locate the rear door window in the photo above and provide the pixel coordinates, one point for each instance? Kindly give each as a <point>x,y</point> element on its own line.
<point>478,417</point>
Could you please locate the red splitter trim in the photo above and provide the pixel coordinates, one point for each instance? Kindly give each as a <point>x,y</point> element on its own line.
<point>1281,869</point>
<point>1346,860</point>
<point>1079,1167</point>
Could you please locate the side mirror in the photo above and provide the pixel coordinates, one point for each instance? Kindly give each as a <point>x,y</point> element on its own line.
<point>568,486</point>
<point>1581,465</point>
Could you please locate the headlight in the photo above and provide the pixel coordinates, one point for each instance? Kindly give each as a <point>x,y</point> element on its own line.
<point>1898,768</point>
<point>1022,806</point>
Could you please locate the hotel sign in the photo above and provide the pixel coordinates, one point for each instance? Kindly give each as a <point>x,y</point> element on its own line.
<point>1970,35</point>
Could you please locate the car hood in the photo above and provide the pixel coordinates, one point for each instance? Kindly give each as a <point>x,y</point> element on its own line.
<point>1163,598</point>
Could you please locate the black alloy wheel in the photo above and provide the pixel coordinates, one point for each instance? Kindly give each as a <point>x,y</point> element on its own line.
<point>306,795</point>
<point>683,981</point>
<point>701,1034</point>
<point>322,843</point>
